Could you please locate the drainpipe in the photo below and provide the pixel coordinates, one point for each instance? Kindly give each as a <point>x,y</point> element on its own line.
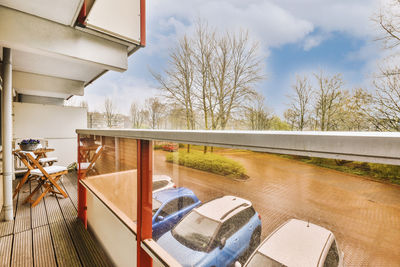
<point>7,134</point>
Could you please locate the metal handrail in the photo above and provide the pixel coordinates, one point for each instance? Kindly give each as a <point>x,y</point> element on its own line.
<point>375,147</point>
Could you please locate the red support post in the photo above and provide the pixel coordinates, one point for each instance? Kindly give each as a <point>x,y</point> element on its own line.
<point>81,192</point>
<point>144,201</point>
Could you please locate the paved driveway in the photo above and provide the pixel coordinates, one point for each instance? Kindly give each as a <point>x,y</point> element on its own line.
<point>364,215</point>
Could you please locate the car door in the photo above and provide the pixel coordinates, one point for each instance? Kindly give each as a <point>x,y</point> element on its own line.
<point>169,212</point>
<point>227,253</point>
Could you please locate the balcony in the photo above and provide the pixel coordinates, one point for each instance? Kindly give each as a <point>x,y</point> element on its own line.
<point>49,234</point>
<point>362,214</point>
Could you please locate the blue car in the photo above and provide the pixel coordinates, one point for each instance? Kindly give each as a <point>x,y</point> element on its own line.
<point>169,207</point>
<point>216,234</point>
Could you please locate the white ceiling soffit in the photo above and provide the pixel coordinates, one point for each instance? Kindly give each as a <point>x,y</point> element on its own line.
<point>49,39</point>
<point>61,11</point>
<point>35,84</point>
<point>49,66</point>
<point>118,18</point>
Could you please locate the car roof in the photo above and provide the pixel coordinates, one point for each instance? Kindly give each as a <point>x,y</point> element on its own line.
<point>223,208</point>
<point>167,194</point>
<point>297,243</point>
<point>158,177</point>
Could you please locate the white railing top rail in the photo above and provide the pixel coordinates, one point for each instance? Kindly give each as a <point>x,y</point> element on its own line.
<point>376,147</point>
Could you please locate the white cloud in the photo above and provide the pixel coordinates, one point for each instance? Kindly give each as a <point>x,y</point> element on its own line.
<point>313,41</point>
<point>122,92</point>
<point>273,23</point>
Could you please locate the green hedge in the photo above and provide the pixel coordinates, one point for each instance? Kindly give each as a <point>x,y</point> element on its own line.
<point>209,162</point>
<point>384,172</point>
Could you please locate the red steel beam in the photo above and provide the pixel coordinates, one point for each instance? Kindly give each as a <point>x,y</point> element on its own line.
<point>144,201</point>
<point>82,206</point>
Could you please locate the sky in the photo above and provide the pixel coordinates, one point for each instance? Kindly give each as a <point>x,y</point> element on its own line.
<point>296,37</point>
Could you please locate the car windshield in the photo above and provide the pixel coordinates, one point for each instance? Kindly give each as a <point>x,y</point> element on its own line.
<point>156,205</point>
<point>195,231</point>
<point>261,260</point>
<point>159,184</point>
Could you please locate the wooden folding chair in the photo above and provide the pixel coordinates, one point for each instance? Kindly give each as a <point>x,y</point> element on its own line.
<point>21,155</point>
<point>85,167</point>
<point>48,178</point>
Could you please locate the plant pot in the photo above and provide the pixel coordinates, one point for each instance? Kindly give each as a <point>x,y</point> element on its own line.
<point>28,147</point>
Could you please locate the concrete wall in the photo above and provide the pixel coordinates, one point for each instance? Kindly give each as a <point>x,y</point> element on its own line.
<point>57,124</point>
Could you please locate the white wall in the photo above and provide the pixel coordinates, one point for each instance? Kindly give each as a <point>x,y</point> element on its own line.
<point>125,22</point>
<point>115,237</point>
<point>57,124</point>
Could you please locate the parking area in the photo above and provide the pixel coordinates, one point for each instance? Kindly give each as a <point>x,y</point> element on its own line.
<point>363,214</point>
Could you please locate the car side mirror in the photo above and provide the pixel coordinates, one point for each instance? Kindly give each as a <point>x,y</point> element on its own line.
<point>222,243</point>
<point>159,218</point>
<point>238,264</point>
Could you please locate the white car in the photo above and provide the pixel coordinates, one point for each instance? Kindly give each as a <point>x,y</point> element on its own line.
<point>162,182</point>
<point>297,243</point>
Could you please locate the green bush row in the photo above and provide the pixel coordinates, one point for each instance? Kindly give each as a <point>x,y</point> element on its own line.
<point>209,162</point>
<point>385,172</point>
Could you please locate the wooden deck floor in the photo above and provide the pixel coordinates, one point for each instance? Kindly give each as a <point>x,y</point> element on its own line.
<point>49,234</point>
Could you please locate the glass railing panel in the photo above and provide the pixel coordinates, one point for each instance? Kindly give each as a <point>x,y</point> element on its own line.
<point>218,206</point>
<point>108,165</point>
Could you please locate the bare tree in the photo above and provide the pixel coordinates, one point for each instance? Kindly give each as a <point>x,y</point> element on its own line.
<point>300,102</point>
<point>156,111</point>
<point>137,115</point>
<point>203,47</point>
<point>235,69</point>
<point>387,102</point>
<point>110,113</point>
<point>176,117</point>
<point>213,73</point>
<point>290,118</point>
<point>388,20</point>
<point>257,115</point>
<point>179,77</point>
<point>328,96</point>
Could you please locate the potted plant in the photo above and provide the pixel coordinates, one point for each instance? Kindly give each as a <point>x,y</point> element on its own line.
<point>29,144</point>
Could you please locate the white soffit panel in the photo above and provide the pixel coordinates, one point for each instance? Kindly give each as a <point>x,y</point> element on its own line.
<point>35,84</point>
<point>118,18</point>
<point>49,66</point>
<point>61,11</point>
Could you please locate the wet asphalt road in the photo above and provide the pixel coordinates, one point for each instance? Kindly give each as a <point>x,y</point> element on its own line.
<point>364,215</point>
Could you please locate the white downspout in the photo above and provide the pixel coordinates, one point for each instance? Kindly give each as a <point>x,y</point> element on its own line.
<point>7,134</point>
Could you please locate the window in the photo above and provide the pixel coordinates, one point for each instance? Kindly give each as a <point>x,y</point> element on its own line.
<point>332,259</point>
<point>176,205</point>
<point>195,231</point>
<point>170,208</point>
<point>156,205</point>
<point>159,184</point>
<point>262,260</point>
<point>243,217</point>
<point>186,201</point>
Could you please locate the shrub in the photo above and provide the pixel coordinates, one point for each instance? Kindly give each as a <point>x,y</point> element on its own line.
<point>157,147</point>
<point>209,162</point>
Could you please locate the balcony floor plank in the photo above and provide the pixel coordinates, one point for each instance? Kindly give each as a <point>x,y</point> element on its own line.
<point>70,188</point>
<point>5,250</point>
<point>23,213</point>
<point>22,249</point>
<point>43,248</point>
<point>65,250</point>
<point>49,234</point>
<point>39,216</point>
